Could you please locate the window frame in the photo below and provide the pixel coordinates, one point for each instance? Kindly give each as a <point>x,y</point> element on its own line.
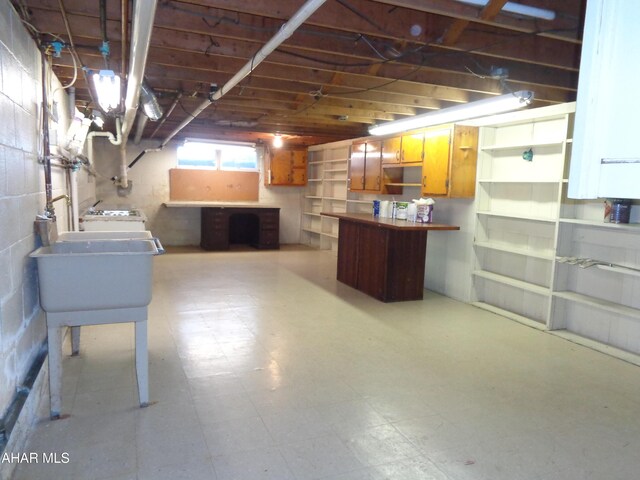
<point>218,159</point>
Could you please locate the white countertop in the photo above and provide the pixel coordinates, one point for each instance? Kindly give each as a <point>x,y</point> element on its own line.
<point>188,204</point>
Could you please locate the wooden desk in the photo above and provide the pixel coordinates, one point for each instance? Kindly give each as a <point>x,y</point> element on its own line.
<point>260,226</point>
<point>383,257</point>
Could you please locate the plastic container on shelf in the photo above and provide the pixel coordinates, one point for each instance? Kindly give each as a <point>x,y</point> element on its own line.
<point>620,211</point>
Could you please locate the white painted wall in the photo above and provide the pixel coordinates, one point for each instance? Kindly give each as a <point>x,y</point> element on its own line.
<point>449,254</point>
<point>150,177</point>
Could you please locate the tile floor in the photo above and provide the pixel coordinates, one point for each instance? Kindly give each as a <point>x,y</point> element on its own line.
<point>262,366</point>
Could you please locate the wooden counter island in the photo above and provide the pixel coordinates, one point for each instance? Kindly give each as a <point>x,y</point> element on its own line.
<point>383,257</point>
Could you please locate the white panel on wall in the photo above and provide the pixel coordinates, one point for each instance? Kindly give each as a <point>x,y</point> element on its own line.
<point>607,104</point>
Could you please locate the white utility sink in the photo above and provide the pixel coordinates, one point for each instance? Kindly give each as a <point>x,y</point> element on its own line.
<point>106,235</point>
<point>95,275</point>
<point>90,283</point>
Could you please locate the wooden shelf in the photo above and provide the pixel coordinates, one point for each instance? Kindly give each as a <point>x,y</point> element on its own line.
<point>344,180</point>
<point>516,251</point>
<point>401,165</point>
<point>517,216</point>
<point>329,234</point>
<point>367,202</point>
<point>336,160</point>
<point>343,170</point>
<point>314,179</point>
<point>599,303</point>
<point>335,199</point>
<point>312,214</point>
<point>483,180</point>
<point>502,148</point>
<point>521,284</point>
<point>513,316</point>
<point>403,184</point>
<point>311,230</point>
<point>597,224</point>
<point>313,197</point>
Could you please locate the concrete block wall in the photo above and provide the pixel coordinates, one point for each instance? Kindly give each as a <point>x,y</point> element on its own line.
<point>22,325</point>
<point>150,177</point>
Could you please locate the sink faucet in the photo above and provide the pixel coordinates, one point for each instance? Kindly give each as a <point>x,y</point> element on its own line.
<point>50,211</point>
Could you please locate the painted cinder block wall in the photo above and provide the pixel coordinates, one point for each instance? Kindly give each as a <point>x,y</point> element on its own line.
<point>22,196</point>
<point>22,324</point>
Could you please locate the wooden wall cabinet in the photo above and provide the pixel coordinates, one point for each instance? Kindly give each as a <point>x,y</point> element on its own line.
<point>405,149</point>
<point>287,168</point>
<point>446,154</point>
<point>365,167</point>
<point>449,165</point>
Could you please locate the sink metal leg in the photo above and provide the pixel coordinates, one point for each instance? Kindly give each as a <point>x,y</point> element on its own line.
<point>142,363</point>
<point>75,340</point>
<point>55,371</point>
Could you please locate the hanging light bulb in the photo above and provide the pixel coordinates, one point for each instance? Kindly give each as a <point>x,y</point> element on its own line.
<point>107,85</point>
<point>277,140</point>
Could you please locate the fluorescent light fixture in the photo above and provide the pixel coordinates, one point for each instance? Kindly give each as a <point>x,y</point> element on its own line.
<point>277,140</point>
<point>107,85</point>
<point>466,111</point>
<point>518,9</point>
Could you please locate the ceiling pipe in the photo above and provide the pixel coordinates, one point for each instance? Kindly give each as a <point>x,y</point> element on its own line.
<point>141,123</point>
<point>142,24</point>
<point>124,34</point>
<point>285,32</point>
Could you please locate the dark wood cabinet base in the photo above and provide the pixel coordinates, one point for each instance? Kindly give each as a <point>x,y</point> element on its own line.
<point>383,258</point>
<point>223,226</point>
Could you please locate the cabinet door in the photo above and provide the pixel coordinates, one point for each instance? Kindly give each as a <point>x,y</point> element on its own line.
<point>298,167</point>
<point>372,260</point>
<point>348,256</point>
<point>372,167</point>
<point>464,156</point>
<point>412,148</point>
<point>435,168</point>
<point>288,167</point>
<point>391,150</point>
<point>356,166</point>
<point>280,167</point>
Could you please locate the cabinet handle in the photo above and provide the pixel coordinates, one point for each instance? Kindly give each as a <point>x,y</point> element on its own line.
<point>424,181</point>
<point>378,182</point>
<point>398,155</point>
<point>363,181</point>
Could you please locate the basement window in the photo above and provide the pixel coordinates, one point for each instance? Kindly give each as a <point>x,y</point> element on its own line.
<point>203,154</point>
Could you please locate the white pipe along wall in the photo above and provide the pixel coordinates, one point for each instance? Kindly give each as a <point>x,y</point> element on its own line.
<point>144,12</point>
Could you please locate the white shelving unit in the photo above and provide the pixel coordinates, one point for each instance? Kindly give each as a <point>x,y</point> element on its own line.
<point>326,192</point>
<point>521,172</point>
<point>597,303</point>
<point>532,242</point>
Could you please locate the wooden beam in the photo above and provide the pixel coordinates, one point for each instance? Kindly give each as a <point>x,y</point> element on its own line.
<point>489,12</point>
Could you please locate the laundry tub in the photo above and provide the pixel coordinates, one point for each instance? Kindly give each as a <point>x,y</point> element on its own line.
<point>104,235</point>
<point>90,283</point>
<point>107,220</point>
